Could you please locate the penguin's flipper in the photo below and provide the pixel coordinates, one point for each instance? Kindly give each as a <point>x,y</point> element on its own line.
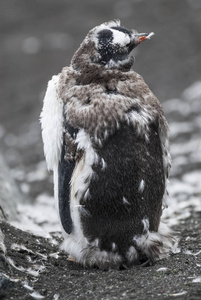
<point>56,148</point>
<point>65,171</point>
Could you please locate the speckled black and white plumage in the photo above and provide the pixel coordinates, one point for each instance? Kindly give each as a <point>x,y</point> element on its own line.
<point>106,138</point>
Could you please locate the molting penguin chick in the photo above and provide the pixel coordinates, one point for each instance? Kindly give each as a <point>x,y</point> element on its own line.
<point>106,139</point>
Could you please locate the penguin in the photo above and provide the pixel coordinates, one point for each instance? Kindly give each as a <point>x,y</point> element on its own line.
<point>106,139</point>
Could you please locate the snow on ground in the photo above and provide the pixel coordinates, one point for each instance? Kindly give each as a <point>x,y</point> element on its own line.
<point>185,182</point>
<point>40,217</point>
<point>185,129</point>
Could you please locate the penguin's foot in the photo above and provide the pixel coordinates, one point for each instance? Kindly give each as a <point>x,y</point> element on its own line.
<point>70,258</point>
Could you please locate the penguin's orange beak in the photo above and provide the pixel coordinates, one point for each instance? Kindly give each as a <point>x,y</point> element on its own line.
<point>144,36</point>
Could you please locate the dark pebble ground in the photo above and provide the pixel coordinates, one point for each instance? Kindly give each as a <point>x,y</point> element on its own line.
<point>37,39</point>
<point>71,281</point>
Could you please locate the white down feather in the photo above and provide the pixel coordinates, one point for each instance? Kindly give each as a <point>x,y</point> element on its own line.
<point>51,119</point>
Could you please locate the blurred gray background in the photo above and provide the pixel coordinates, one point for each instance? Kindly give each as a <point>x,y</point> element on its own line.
<point>38,38</point>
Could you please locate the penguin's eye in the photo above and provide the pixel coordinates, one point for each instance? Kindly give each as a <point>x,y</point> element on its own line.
<point>129,45</point>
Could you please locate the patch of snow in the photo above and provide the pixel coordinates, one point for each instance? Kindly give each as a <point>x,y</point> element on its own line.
<point>36,295</point>
<point>188,252</point>
<point>40,218</point>
<point>163,270</point>
<point>177,128</point>
<point>11,279</point>
<point>185,147</point>
<point>177,186</point>
<point>12,263</point>
<point>35,270</point>
<point>175,249</point>
<point>141,186</point>
<point>27,286</point>
<point>183,197</point>
<point>176,105</point>
<point>197,280</point>
<point>37,175</point>
<point>178,294</point>
<point>18,247</point>
<point>2,245</point>
<point>193,178</point>
<point>54,255</point>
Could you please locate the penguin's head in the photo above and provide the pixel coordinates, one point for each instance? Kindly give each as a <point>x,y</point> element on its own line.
<point>110,45</point>
<point>114,43</point>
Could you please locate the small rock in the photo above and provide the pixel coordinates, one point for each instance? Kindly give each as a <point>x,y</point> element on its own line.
<point>164,270</point>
